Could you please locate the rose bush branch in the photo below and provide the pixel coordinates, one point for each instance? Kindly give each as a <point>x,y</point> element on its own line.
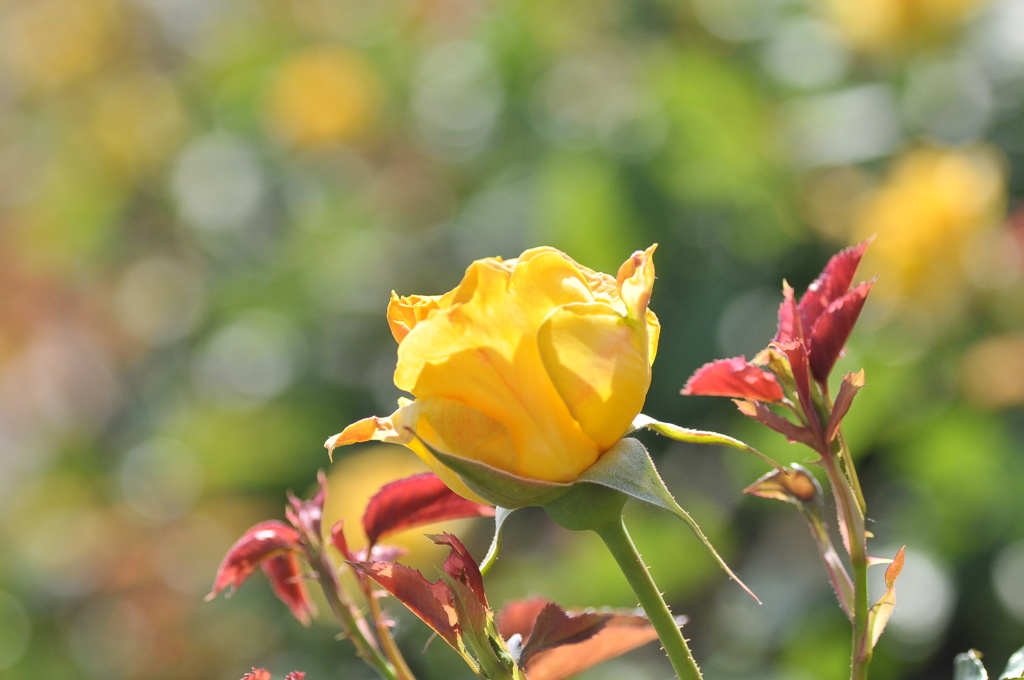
<point>793,374</point>
<point>527,638</point>
<point>293,553</point>
<point>530,636</point>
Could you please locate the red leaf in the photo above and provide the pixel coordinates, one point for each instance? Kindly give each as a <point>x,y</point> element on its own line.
<point>257,674</point>
<point>461,566</point>
<point>384,553</point>
<point>431,602</point>
<point>736,378</point>
<point>519,617</point>
<point>832,329</point>
<point>831,284</point>
<point>894,568</point>
<point>339,541</point>
<point>307,515</point>
<point>789,317</point>
<point>764,415</point>
<point>554,628</point>
<point>288,582</point>
<point>543,625</point>
<point>879,613</point>
<point>415,501</point>
<point>796,353</point>
<point>559,644</point>
<point>259,543</point>
<point>852,382</point>
<point>264,674</point>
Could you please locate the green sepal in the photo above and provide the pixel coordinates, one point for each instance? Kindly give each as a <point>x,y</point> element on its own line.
<point>501,488</point>
<point>587,507</point>
<point>627,468</point>
<point>500,515</point>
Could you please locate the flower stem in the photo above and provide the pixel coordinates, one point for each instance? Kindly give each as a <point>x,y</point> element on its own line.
<point>352,624</point>
<point>851,516</point>
<point>387,641</point>
<point>851,509</point>
<point>619,542</point>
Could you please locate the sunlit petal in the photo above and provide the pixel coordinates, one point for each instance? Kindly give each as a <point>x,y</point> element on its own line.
<point>597,361</point>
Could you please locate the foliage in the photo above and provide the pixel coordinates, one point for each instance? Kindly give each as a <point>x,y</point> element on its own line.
<point>205,205</point>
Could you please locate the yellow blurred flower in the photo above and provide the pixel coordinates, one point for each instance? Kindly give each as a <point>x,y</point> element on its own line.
<point>992,371</point>
<point>884,25</point>
<point>135,120</point>
<point>928,215</point>
<point>356,478</point>
<point>46,44</point>
<point>323,95</point>
<point>535,366</point>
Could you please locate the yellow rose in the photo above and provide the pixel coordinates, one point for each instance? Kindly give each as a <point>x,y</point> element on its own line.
<point>534,366</point>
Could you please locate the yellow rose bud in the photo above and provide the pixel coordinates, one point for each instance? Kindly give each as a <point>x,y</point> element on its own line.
<point>535,366</point>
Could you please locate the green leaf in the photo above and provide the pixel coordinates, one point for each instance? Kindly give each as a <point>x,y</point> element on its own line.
<point>968,666</point>
<point>878,615</point>
<point>480,635</point>
<point>685,434</point>
<point>1015,666</point>
<point>626,467</point>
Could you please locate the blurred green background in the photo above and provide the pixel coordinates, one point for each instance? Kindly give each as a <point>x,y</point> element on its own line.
<point>204,205</point>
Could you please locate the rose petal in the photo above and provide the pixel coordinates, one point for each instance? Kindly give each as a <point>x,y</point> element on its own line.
<point>404,312</point>
<point>483,353</point>
<point>601,369</point>
<point>636,281</point>
<point>373,428</point>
